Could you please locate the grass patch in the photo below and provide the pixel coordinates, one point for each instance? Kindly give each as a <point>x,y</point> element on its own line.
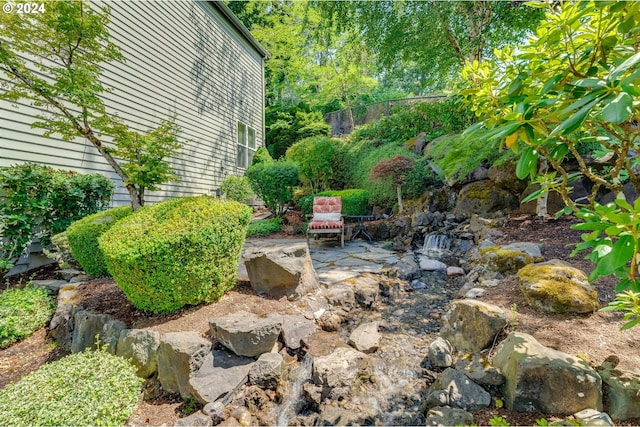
<point>264,227</point>
<point>91,388</point>
<point>22,312</point>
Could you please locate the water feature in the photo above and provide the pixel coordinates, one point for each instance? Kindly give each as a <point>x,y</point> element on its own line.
<point>436,243</point>
<point>292,402</point>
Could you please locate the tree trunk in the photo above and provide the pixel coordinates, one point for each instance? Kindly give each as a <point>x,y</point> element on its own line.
<point>400,205</point>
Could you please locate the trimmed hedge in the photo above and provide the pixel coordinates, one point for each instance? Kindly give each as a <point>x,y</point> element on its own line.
<point>83,239</point>
<point>83,389</point>
<point>22,312</point>
<point>183,251</point>
<point>354,201</point>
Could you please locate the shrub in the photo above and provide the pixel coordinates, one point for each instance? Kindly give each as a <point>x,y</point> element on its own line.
<point>354,201</point>
<point>83,238</point>
<point>237,188</point>
<point>264,227</point>
<point>22,312</point>
<point>182,251</point>
<point>38,201</point>
<point>261,156</point>
<point>315,159</point>
<point>89,388</point>
<point>273,183</point>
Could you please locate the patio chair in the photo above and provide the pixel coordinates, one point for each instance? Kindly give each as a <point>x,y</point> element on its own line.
<point>327,218</point>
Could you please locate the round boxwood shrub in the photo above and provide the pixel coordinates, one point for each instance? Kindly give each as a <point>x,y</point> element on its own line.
<point>83,238</point>
<point>183,251</point>
<point>22,312</point>
<point>90,388</point>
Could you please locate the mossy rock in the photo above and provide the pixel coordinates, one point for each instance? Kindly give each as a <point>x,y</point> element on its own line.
<point>484,197</point>
<point>505,261</point>
<point>557,288</point>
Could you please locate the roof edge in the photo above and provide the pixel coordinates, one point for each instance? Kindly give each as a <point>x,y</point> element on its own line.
<point>224,9</point>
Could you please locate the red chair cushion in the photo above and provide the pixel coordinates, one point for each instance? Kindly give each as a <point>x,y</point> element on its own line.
<point>320,225</point>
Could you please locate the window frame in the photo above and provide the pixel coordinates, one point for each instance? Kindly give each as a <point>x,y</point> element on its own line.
<point>246,145</point>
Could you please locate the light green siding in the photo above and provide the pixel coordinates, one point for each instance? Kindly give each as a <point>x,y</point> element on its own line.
<point>183,58</point>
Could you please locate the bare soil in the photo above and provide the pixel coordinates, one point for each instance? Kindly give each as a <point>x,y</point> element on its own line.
<point>592,337</point>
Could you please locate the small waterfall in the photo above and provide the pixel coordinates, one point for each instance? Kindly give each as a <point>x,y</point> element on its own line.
<point>436,243</point>
<point>299,376</point>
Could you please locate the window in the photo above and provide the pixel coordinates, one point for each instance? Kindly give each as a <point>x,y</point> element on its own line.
<point>246,145</point>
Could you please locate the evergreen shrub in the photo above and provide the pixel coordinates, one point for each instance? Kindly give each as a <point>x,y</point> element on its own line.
<point>274,182</point>
<point>237,188</point>
<point>179,252</point>
<point>354,201</point>
<point>83,238</point>
<point>92,388</point>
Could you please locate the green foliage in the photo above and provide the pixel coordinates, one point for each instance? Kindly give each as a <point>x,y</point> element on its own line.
<point>315,158</point>
<point>407,121</point>
<point>612,239</point>
<point>83,389</point>
<point>354,201</point>
<point>237,188</point>
<point>38,201</point>
<point>264,227</point>
<point>182,251</point>
<point>573,84</point>
<point>72,43</point>
<point>261,156</point>
<point>286,127</point>
<point>145,154</point>
<point>22,312</point>
<point>497,420</point>
<point>83,239</point>
<point>273,183</point>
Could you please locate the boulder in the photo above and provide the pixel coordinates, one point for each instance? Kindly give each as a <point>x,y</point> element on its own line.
<point>440,353</point>
<point>340,296</point>
<point>504,261</point>
<point>534,250</point>
<point>557,288</point>
<point>330,321</point>
<point>455,271</point>
<point>448,416</point>
<point>367,290</point>
<point>61,324</point>
<point>365,338</point>
<point>504,176</point>
<point>215,411</point>
<point>296,329</point>
<point>246,334</point>
<point>482,198</point>
<point>408,267</point>
<point>453,388</point>
<point>591,417</point>
<point>197,419</point>
<point>478,368</point>
<point>141,347</point>
<point>472,325</point>
<point>219,373</point>
<point>267,371</point>
<point>428,264</point>
<point>338,369</point>
<point>623,390</point>
<point>179,355</point>
<point>540,379</point>
<point>88,325</point>
<point>280,271</point>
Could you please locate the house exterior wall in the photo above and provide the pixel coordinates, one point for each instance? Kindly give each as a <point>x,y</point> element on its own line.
<point>184,58</point>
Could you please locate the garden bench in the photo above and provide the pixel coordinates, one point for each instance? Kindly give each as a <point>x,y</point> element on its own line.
<point>327,218</point>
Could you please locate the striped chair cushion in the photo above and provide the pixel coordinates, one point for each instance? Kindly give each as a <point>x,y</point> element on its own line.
<point>325,225</point>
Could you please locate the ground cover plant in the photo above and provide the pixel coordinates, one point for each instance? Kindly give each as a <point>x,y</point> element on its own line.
<point>180,252</point>
<point>22,312</point>
<point>83,239</point>
<point>264,227</point>
<point>93,388</point>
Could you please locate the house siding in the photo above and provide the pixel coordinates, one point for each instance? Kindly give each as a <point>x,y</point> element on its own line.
<point>181,58</point>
